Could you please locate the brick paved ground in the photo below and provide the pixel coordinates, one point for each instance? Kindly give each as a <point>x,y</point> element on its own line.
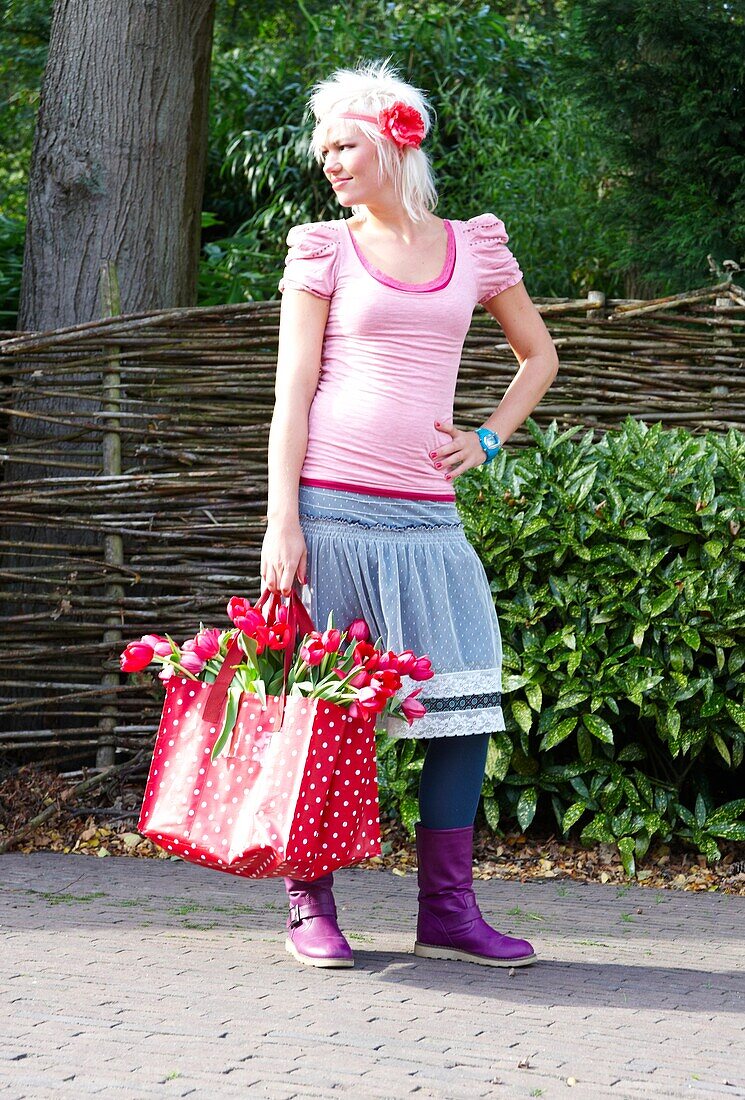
<point>129,978</point>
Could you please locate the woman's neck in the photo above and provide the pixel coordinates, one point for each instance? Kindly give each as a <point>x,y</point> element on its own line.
<point>392,220</point>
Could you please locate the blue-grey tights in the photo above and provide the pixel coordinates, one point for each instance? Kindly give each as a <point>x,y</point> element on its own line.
<point>450,783</point>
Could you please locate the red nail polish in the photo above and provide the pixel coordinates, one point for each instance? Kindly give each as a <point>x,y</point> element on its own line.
<point>432,454</point>
<point>438,465</point>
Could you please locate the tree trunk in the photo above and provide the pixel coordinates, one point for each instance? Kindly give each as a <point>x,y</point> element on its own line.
<point>117,177</point>
<point>117,170</point>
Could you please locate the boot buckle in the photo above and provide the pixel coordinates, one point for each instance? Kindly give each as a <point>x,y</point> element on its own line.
<point>311,907</point>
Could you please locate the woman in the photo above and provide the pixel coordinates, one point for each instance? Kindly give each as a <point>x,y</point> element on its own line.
<point>362,459</point>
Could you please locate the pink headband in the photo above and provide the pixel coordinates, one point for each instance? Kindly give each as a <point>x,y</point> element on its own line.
<point>400,123</point>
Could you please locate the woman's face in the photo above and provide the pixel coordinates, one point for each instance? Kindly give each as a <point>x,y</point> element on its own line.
<point>350,164</point>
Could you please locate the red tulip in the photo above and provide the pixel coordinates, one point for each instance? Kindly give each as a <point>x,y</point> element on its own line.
<point>421,669</point>
<point>278,636</point>
<point>412,708</point>
<point>387,682</point>
<point>358,630</point>
<point>135,657</point>
<point>366,655</point>
<point>371,699</point>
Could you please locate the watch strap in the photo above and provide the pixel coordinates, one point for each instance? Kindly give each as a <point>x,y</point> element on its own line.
<point>486,437</point>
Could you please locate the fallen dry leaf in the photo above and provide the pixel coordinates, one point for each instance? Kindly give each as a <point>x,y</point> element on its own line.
<point>110,829</point>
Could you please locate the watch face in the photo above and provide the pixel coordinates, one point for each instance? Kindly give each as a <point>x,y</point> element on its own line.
<point>490,439</point>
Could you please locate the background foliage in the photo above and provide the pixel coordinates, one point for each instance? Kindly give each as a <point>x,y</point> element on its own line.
<point>609,135</point>
<point>617,569</point>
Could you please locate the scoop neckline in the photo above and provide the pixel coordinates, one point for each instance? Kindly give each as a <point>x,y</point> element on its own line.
<point>437,283</point>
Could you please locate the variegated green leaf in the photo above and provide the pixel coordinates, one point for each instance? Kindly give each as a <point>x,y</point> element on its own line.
<point>558,734</point>
<point>526,807</point>
<point>598,727</point>
<point>522,714</point>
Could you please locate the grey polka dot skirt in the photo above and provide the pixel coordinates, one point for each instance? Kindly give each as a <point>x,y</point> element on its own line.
<point>407,569</point>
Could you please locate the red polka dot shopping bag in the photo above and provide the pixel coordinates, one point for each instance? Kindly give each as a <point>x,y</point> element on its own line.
<point>264,763</point>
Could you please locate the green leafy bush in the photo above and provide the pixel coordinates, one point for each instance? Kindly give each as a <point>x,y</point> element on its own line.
<point>12,235</point>
<point>617,573</point>
<point>498,111</point>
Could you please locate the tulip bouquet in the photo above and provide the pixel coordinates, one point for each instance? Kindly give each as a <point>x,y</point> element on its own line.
<point>342,666</point>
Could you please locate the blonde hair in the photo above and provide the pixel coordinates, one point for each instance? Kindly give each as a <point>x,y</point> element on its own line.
<point>367,89</point>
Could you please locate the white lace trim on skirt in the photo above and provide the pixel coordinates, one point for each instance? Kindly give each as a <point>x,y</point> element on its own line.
<point>458,703</point>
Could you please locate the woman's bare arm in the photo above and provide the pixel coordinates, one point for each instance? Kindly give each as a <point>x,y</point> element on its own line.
<point>536,353</point>
<point>302,324</point>
<point>534,350</point>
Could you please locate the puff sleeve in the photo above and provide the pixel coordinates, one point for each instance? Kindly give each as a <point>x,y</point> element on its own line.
<point>495,267</point>
<point>311,261</point>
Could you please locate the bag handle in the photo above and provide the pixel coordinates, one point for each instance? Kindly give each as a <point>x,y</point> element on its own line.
<point>299,622</point>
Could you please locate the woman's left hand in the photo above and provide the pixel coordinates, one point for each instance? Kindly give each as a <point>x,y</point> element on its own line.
<point>463,452</point>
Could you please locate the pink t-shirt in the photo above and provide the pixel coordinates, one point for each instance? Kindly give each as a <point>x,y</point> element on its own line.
<point>391,354</point>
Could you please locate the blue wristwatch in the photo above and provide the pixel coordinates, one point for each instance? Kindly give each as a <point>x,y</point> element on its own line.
<point>490,443</point>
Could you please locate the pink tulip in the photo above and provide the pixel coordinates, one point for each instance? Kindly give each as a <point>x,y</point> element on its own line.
<point>192,662</point>
<point>388,660</point>
<point>166,673</point>
<point>237,605</point>
<point>421,669</point>
<point>331,640</point>
<point>312,652</point>
<point>251,622</point>
<point>135,657</point>
<point>405,661</point>
<point>207,643</point>
<point>362,679</point>
<point>161,646</point>
<point>412,708</point>
<point>244,616</point>
<point>358,630</point>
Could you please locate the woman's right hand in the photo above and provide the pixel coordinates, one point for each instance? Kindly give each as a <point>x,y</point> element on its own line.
<point>284,556</point>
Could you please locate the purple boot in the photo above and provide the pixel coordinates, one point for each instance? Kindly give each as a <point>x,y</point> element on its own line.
<point>450,925</point>
<point>313,935</point>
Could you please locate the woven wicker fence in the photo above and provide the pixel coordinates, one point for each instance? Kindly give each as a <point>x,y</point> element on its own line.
<point>138,504</point>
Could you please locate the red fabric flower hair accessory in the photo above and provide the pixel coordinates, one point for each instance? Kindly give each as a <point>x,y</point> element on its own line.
<point>400,122</point>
